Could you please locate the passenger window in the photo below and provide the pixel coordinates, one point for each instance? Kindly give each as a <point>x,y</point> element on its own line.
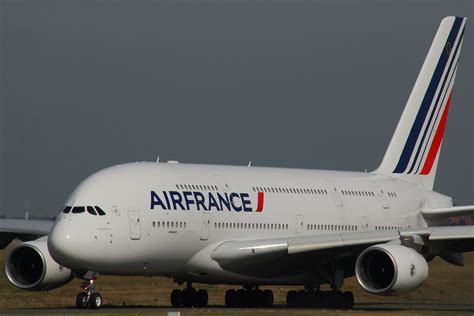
<point>99,211</point>
<point>67,209</point>
<point>78,209</point>
<point>91,210</point>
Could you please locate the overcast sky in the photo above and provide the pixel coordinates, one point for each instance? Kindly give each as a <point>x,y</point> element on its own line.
<point>307,84</point>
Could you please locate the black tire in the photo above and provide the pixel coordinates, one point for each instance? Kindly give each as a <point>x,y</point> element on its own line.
<point>348,300</point>
<point>317,299</point>
<point>81,300</point>
<point>292,299</point>
<point>230,298</point>
<point>268,298</point>
<point>202,298</point>
<point>324,299</point>
<point>189,297</point>
<point>240,298</point>
<point>259,299</point>
<point>95,301</point>
<point>176,298</point>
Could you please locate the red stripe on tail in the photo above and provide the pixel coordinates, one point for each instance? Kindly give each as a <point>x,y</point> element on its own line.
<point>436,140</point>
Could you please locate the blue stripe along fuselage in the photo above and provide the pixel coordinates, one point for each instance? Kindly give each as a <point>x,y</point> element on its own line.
<point>427,100</point>
<point>437,105</point>
<point>172,200</point>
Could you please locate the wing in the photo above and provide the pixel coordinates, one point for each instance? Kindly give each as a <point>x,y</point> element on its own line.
<point>287,256</point>
<point>22,229</point>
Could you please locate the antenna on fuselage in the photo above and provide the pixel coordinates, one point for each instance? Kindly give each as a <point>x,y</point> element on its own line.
<point>250,163</point>
<point>158,159</point>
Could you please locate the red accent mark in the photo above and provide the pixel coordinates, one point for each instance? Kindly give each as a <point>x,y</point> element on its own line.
<point>438,137</point>
<point>260,202</point>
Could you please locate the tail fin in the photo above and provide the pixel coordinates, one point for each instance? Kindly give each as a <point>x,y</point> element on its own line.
<point>413,152</point>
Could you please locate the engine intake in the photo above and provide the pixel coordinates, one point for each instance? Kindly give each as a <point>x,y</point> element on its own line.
<point>389,269</point>
<point>30,267</point>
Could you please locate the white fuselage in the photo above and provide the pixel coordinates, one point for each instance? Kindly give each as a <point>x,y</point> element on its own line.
<point>145,233</point>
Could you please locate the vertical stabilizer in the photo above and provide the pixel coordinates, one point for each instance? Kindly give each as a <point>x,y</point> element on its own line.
<point>414,150</point>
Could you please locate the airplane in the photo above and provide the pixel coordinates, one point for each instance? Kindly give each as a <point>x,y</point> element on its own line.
<point>253,227</point>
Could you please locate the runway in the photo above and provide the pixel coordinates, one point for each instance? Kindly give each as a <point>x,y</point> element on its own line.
<point>371,307</point>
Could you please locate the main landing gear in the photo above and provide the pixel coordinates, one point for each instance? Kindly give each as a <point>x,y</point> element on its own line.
<point>89,298</point>
<point>320,299</point>
<point>189,297</point>
<point>312,296</point>
<point>249,297</point>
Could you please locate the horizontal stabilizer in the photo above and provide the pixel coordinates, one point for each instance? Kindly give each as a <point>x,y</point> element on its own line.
<point>435,213</point>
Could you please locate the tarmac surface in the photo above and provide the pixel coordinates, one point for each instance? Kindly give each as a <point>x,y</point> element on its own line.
<point>151,309</point>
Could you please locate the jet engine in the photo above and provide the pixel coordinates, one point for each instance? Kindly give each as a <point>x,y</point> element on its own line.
<point>389,269</point>
<point>30,267</point>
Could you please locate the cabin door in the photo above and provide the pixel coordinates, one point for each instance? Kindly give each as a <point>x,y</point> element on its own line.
<point>299,224</point>
<point>206,223</point>
<point>364,225</point>
<point>381,195</point>
<point>134,223</point>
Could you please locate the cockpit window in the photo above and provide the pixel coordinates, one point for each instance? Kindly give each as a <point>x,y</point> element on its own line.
<point>99,211</point>
<point>91,210</point>
<point>78,209</point>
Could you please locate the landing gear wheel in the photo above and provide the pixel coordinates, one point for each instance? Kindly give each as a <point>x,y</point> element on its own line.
<point>292,299</point>
<point>81,300</point>
<point>348,301</point>
<point>320,299</point>
<point>176,298</point>
<point>95,301</point>
<point>189,297</point>
<point>202,298</point>
<point>240,298</point>
<point>267,298</point>
<point>230,298</point>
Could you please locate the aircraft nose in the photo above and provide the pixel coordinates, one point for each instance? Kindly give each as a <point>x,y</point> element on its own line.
<point>64,244</point>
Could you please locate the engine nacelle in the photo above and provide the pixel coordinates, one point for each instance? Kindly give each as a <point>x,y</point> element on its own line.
<point>30,267</point>
<point>389,269</point>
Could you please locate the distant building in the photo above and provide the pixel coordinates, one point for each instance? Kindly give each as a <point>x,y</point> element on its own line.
<point>461,220</point>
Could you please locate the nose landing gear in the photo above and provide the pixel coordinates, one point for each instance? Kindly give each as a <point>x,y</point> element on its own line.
<point>89,298</point>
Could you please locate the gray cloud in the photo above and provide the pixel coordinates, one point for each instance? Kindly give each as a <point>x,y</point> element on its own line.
<point>308,84</point>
